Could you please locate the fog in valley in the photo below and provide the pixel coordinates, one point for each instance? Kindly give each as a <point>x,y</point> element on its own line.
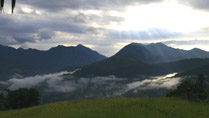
<point>83,88</point>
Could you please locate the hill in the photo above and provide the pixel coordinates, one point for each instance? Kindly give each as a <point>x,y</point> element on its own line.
<point>127,68</point>
<point>115,108</point>
<point>30,62</point>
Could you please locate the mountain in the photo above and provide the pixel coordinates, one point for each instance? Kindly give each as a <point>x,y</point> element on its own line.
<point>32,61</point>
<point>124,68</point>
<point>158,52</point>
<point>154,59</point>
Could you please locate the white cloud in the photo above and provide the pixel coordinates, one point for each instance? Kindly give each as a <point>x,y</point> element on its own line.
<point>36,23</point>
<point>108,86</point>
<point>161,82</point>
<point>29,82</point>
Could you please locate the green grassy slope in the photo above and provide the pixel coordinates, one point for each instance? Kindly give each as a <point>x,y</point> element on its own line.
<point>115,108</point>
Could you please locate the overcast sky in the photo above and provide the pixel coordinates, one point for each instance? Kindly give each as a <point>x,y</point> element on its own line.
<point>105,25</point>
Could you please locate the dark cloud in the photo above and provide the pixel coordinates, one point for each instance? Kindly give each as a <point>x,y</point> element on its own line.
<point>149,34</point>
<point>199,4</point>
<point>7,40</point>
<point>24,37</point>
<point>8,24</point>
<point>45,33</point>
<point>16,31</point>
<point>22,30</point>
<point>54,5</point>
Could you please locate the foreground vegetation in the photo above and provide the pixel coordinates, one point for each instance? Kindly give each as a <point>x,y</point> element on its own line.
<point>20,98</point>
<point>115,108</point>
<point>193,90</point>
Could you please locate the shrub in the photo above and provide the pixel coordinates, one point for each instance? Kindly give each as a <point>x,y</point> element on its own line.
<point>194,90</point>
<point>20,98</point>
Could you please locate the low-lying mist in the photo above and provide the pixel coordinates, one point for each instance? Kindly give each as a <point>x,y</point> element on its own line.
<point>81,88</point>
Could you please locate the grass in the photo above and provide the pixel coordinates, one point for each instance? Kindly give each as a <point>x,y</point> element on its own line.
<point>115,108</point>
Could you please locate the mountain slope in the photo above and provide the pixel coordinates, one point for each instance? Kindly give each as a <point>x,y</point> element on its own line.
<point>204,70</point>
<point>31,61</point>
<point>153,59</point>
<point>158,52</point>
<point>114,108</point>
<point>135,52</point>
<point>121,67</point>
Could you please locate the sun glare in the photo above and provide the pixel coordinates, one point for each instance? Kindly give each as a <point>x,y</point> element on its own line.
<point>169,15</point>
<point>27,10</point>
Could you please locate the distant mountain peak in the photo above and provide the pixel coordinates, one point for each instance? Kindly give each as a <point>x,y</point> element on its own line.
<point>61,46</point>
<point>80,45</point>
<point>158,44</point>
<point>20,48</point>
<point>29,62</point>
<point>29,49</point>
<point>136,44</point>
<point>151,44</point>
<point>158,52</point>
<point>196,49</point>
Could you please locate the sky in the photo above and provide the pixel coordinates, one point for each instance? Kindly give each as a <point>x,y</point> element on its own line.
<point>105,25</point>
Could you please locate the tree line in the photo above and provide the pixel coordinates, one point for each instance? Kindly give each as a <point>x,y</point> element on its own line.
<point>193,90</point>
<point>21,98</point>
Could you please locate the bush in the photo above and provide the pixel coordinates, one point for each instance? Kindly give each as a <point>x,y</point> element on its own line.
<point>21,98</point>
<point>197,90</point>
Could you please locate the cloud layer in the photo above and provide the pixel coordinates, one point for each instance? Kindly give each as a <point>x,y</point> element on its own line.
<point>199,4</point>
<point>42,24</point>
<point>53,5</point>
<point>108,86</point>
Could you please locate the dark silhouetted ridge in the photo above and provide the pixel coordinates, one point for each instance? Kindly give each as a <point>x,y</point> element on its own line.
<point>31,61</point>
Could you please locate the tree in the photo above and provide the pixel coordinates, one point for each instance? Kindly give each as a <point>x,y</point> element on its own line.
<point>2,5</point>
<point>22,98</point>
<point>202,88</point>
<point>191,90</point>
<point>2,102</point>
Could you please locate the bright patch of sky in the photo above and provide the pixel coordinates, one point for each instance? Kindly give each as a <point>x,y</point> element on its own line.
<point>167,15</point>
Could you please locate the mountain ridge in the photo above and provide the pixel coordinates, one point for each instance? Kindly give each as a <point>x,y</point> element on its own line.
<point>154,59</point>
<point>31,61</point>
<point>158,52</point>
